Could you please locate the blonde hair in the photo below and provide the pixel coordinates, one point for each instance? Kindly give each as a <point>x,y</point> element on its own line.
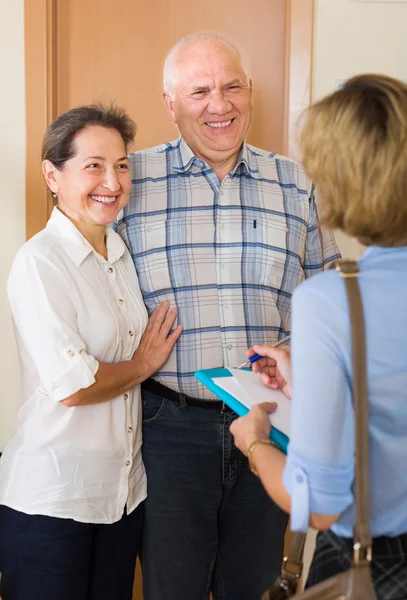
<point>354,146</point>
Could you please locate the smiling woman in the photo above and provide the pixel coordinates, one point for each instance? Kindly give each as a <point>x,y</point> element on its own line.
<point>72,474</point>
<point>93,185</point>
<point>85,166</point>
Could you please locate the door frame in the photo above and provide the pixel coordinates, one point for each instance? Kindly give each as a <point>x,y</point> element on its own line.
<point>40,96</point>
<point>41,89</point>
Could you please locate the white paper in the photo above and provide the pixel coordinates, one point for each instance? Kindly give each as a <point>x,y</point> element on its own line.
<point>247,387</point>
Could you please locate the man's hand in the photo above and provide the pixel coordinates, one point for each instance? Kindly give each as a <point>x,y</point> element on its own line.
<point>255,425</point>
<point>274,367</point>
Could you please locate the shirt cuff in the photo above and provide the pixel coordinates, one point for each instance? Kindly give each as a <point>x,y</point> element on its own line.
<point>80,375</point>
<point>316,488</point>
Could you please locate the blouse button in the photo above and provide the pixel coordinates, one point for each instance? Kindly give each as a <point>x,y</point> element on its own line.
<point>299,478</point>
<point>121,301</point>
<point>126,396</point>
<point>131,333</point>
<point>149,229</point>
<point>110,270</point>
<point>127,463</point>
<point>129,429</point>
<point>71,353</point>
<point>229,346</point>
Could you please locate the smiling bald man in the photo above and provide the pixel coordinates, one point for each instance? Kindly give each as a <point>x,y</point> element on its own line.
<point>224,232</point>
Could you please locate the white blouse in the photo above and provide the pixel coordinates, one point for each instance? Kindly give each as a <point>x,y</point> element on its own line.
<point>72,308</point>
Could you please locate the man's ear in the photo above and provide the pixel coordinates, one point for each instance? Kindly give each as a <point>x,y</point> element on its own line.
<point>50,173</point>
<point>169,104</point>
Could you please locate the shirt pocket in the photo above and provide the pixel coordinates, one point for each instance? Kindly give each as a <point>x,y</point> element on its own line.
<point>264,252</point>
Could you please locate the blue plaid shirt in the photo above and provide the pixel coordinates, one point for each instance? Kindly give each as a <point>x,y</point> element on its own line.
<point>228,255</point>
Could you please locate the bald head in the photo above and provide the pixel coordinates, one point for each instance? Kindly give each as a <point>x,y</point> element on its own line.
<point>194,47</point>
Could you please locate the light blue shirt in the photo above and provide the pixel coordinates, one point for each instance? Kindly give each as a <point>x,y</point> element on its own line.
<point>320,468</point>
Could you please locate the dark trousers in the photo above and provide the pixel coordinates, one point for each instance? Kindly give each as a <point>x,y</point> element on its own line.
<point>209,524</point>
<point>47,558</point>
<point>333,555</point>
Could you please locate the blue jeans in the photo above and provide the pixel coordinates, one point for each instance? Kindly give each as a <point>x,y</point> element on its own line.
<point>209,524</point>
<point>47,558</point>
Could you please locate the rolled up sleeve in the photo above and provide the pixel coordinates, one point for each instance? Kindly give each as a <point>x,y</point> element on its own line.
<point>45,324</point>
<point>80,375</point>
<point>316,488</point>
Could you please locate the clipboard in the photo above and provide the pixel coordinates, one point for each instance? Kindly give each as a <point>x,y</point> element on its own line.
<point>206,377</point>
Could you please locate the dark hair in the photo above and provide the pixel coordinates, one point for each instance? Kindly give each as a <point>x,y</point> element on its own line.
<point>57,143</point>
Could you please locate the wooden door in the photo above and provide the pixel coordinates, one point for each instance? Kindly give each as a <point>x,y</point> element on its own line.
<point>115,51</point>
<point>83,51</point>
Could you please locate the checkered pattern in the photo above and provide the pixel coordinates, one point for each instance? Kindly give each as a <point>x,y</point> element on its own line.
<point>334,554</point>
<point>227,255</point>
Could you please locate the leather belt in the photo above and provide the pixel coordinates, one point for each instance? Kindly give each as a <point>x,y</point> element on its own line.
<point>162,390</point>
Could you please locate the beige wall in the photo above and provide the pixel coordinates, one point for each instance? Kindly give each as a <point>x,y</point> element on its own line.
<point>12,193</point>
<point>355,37</point>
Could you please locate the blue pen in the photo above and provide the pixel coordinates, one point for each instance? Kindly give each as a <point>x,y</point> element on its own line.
<point>255,357</point>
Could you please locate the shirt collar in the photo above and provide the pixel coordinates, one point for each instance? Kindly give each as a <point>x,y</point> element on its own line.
<point>247,159</point>
<point>374,252</point>
<point>187,158</point>
<point>76,245</point>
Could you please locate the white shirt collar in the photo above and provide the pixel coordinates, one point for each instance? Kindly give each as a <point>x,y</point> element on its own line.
<point>76,245</point>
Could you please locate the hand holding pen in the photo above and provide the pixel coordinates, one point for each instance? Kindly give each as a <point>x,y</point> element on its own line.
<point>273,366</point>
<point>256,357</point>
